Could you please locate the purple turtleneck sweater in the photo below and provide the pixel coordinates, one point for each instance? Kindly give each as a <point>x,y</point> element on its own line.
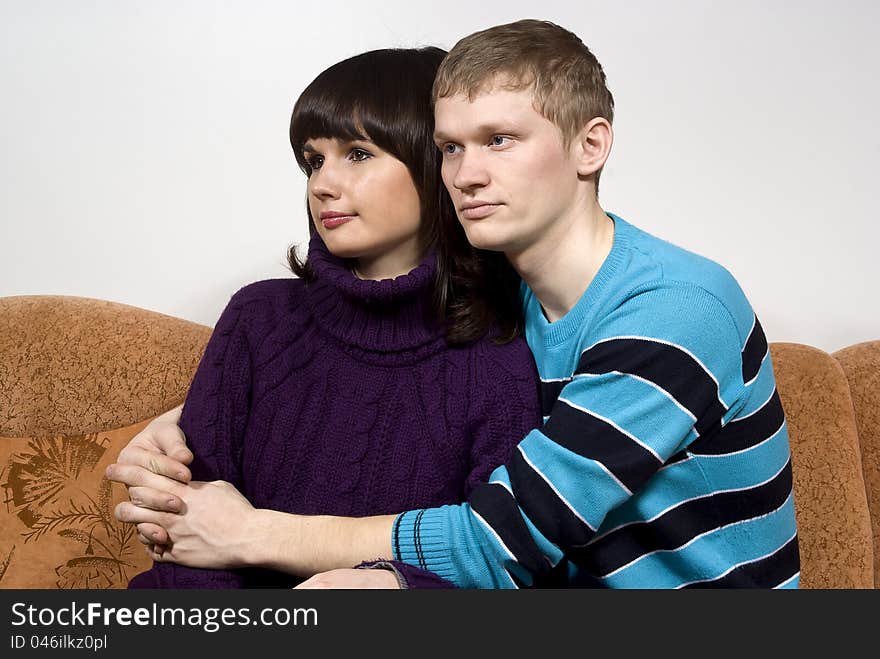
<point>342,397</point>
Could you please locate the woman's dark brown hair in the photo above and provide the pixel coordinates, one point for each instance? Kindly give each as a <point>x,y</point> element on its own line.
<point>384,96</point>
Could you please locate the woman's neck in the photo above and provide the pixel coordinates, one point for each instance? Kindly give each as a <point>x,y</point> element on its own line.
<point>389,265</point>
<point>391,315</point>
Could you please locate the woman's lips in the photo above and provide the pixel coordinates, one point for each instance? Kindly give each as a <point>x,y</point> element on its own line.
<point>336,221</point>
<point>479,212</point>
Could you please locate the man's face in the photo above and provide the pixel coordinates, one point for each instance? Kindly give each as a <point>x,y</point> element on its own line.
<point>506,167</point>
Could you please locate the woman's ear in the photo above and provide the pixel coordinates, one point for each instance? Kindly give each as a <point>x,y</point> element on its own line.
<point>593,146</point>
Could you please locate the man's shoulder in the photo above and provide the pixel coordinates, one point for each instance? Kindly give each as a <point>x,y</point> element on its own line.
<point>683,278</point>
<point>674,263</point>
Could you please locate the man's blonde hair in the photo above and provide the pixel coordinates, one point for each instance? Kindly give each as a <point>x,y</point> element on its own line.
<point>566,79</point>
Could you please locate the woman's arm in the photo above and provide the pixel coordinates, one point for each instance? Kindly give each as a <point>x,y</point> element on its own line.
<point>214,418</point>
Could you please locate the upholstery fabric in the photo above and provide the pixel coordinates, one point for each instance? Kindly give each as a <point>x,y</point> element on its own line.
<point>78,379</point>
<point>861,363</point>
<point>58,529</point>
<point>72,365</point>
<point>834,526</point>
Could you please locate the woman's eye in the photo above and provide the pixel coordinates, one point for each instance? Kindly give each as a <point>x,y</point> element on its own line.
<point>315,162</point>
<point>359,154</point>
<point>450,149</point>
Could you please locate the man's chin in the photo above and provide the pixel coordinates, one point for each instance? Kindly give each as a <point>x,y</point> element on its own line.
<point>482,236</point>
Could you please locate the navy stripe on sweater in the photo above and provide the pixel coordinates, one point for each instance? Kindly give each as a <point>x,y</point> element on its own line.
<point>744,432</point>
<point>754,352</point>
<point>682,523</point>
<point>669,367</point>
<point>544,507</point>
<point>496,506</point>
<point>550,390</point>
<point>595,438</point>
<point>775,569</point>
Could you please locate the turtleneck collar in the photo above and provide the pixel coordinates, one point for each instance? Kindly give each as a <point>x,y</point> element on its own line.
<point>386,316</point>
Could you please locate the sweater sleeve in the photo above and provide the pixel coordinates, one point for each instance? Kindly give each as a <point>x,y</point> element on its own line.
<point>507,406</point>
<point>213,421</point>
<point>408,576</point>
<point>663,367</point>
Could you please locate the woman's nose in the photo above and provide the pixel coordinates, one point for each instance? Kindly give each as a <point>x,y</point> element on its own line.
<point>323,191</point>
<point>324,183</point>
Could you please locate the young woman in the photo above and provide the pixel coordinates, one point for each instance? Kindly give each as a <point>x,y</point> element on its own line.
<point>389,375</point>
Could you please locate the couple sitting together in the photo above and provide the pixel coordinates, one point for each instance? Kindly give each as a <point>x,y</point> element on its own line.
<point>479,378</point>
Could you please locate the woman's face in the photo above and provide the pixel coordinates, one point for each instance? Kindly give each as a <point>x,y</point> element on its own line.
<point>364,205</point>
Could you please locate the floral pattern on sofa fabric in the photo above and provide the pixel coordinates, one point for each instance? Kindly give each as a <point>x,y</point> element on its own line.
<point>58,528</point>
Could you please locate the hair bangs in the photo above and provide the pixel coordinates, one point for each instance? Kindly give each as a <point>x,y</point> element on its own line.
<point>361,98</point>
<point>317,116</point>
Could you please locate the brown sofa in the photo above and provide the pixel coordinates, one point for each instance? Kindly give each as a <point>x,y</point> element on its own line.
<point>80,377</point>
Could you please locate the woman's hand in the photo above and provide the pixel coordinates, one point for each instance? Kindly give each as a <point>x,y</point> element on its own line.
<point>149,464</point>
<point>352,578</point>
<point>216,527</point>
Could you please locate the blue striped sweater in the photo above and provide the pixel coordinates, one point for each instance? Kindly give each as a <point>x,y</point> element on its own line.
<point>663,460</point>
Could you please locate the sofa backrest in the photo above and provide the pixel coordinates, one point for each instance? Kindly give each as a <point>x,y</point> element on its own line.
<point>861,363</point>
<point>834,524</point>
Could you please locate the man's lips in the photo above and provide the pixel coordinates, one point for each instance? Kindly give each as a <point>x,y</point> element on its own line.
<point>478,210</point>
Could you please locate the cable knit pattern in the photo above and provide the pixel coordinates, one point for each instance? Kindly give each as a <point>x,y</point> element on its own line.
<point>341,397</point>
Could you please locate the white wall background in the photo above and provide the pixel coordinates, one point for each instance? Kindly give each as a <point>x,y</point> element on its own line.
<point>145,158</point>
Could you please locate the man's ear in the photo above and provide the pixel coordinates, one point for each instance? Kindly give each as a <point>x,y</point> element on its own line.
<point>593,146</point>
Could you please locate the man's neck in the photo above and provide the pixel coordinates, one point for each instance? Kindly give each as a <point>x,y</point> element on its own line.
<point>560,266</point>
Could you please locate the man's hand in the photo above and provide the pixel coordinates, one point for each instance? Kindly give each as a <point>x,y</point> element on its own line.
<point>159,449</point>
<point>215,528</point>
<point>352,578</point>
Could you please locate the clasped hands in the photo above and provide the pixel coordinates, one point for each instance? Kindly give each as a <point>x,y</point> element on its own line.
<point>202,524</point>
<point>198,524</point>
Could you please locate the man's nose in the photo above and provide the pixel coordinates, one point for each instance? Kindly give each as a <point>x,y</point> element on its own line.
<point>471,172</point>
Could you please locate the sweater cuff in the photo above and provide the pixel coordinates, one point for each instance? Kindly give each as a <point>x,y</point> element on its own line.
<point>418,539</point>
<point>408,576</point>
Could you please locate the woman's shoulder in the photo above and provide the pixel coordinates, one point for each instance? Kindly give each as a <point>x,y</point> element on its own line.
<point>269,291</point>
<point>269,299</point>
<point>506,378</point>
<point>510,359</point>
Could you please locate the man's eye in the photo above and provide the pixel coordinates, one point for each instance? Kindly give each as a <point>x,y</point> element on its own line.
<point>498,140</point>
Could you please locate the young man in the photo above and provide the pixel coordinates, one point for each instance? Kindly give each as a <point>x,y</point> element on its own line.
<point>664,458</point>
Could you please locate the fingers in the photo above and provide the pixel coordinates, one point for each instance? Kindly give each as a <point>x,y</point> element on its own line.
<point>156,462</point>
<point>169,439</point>
<point>172,416</point>
<point>157,553</point>
<point>152,534</point>
<point>162,553</point>
<point>128,512</point>
<point>144,540</point>
<point>136,476</point>
<point>147,497</point>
